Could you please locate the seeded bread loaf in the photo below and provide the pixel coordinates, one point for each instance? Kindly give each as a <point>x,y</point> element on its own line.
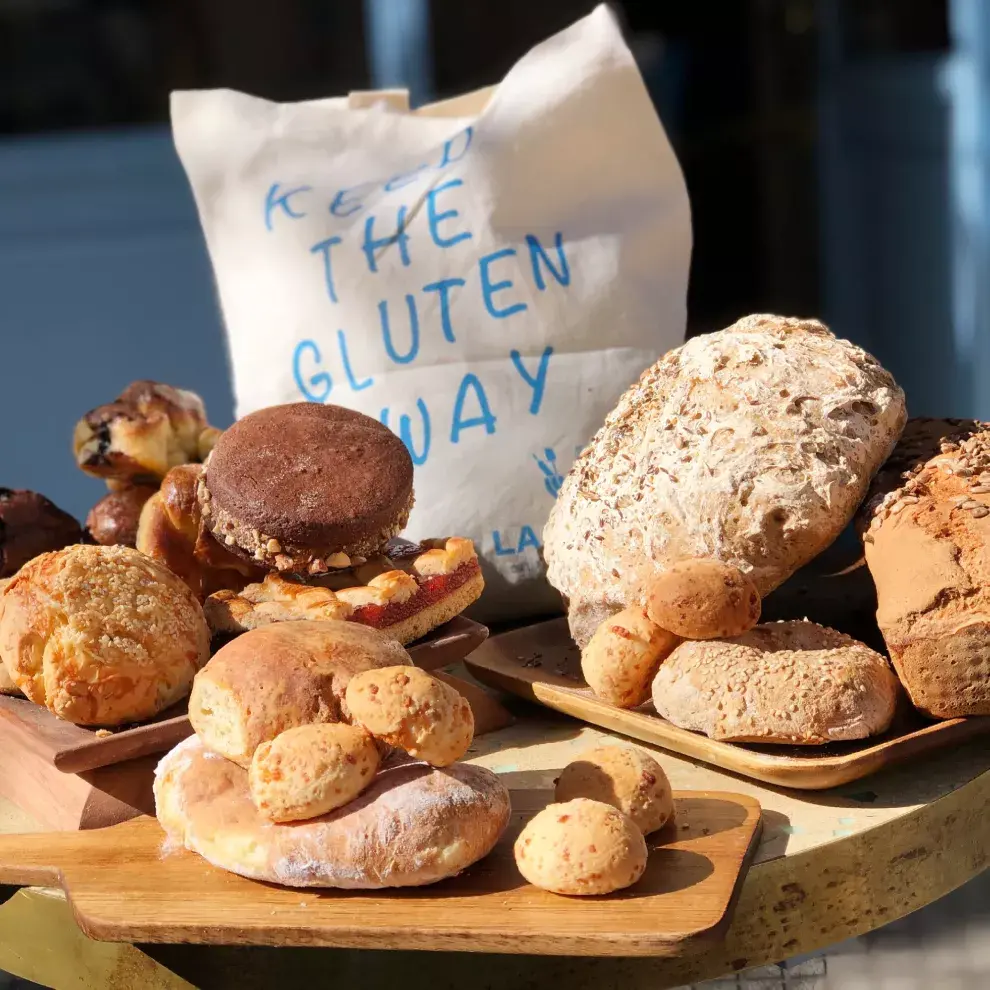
<point>753,446</point>
<point>782,682</point>
<point>928,549</point>
<point>921,440</point>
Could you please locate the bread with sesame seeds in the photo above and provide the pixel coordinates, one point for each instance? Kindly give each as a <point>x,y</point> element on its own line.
<point>928,548</point>
<point>789,682</point>
<point>101,635</point>
<point>753,446</point>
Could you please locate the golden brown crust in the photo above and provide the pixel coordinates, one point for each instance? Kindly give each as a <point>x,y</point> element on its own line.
<point>407,708</point>
<point>171,531</point>
<point>928,549</point>
<point>311,770</point>
<point>921,440</point>
<point>623,655</point>
<point>753,445</point>
<point>581,847</point>
<point>782,682</point>
<point>626,778</point>
<point>414,825</point>
<point>113,521</point>
<point>280,676</point>
<point>148,429</point>
<point>376,583</point>
<point>7,685</point>
<point>101,635</point>
<point>703,599</point>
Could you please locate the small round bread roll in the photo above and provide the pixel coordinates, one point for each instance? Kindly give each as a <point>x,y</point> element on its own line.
<point>310,770</point>
<point>581,847</point>
<point>101,635</point>
<point>703,599</point>
<point>407,708</point>
<point>280,676</point>
<point>623,655</point>
<point>783,682</point>
<point>626,778</point>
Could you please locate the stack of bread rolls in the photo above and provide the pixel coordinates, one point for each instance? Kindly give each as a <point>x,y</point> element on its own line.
<point>591,839</point>
<point>301,770</point>
<point>734,461</point>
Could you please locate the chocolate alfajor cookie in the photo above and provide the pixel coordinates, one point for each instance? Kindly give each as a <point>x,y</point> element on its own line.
<point>306,488</point>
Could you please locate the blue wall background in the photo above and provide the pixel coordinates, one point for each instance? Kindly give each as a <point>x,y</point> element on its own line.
<point>104,278</point>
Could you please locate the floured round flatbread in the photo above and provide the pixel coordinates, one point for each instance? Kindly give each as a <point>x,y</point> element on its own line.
<point>414,825</point>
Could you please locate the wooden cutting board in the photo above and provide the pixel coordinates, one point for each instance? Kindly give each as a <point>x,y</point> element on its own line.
<point>122,887</point>
<point>541,663</point>
<point>76,748</point>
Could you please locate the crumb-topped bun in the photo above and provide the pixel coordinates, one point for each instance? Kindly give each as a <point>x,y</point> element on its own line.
<point>31,524</point>
<point>101,635</point>
<point>581,847</point>
<point>414,825</point>
<point>626,778</point>
<point>752,446</point>
<point>300,486</point>
<point>280,676</point>
<point>782,682</point>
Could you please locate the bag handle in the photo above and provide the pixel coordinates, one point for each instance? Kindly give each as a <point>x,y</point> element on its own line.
<point>392,100</point>
<point>397,101</point>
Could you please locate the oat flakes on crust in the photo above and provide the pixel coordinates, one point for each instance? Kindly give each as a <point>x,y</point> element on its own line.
<point>753,446</point>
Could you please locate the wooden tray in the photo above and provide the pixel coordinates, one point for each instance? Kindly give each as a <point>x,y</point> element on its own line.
<point>75,748</point>
<point>541,663</point>
<point>123,888</point>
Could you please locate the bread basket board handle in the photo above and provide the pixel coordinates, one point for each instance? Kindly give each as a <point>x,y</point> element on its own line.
<point>124,883</point>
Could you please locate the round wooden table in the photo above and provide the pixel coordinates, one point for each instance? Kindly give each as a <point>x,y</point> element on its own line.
<point>831,865</point>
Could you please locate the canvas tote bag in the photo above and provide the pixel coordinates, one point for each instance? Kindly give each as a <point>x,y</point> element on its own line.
<point>485,276</point>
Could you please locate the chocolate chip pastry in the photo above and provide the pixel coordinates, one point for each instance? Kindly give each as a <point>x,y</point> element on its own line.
<point>148,429</point>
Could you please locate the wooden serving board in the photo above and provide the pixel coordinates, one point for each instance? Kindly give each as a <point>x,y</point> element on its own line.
<point>123,887</point>
<point>542,663</point>
<point>75,748</point>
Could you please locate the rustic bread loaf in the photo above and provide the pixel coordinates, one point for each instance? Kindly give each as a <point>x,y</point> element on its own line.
<point>782,682</point>
<point>280,676</point>
<point>752,446</point>
<point>101,635</point>
<point>928,549</point>
<point>581,847</point>
<point>414,825</point>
